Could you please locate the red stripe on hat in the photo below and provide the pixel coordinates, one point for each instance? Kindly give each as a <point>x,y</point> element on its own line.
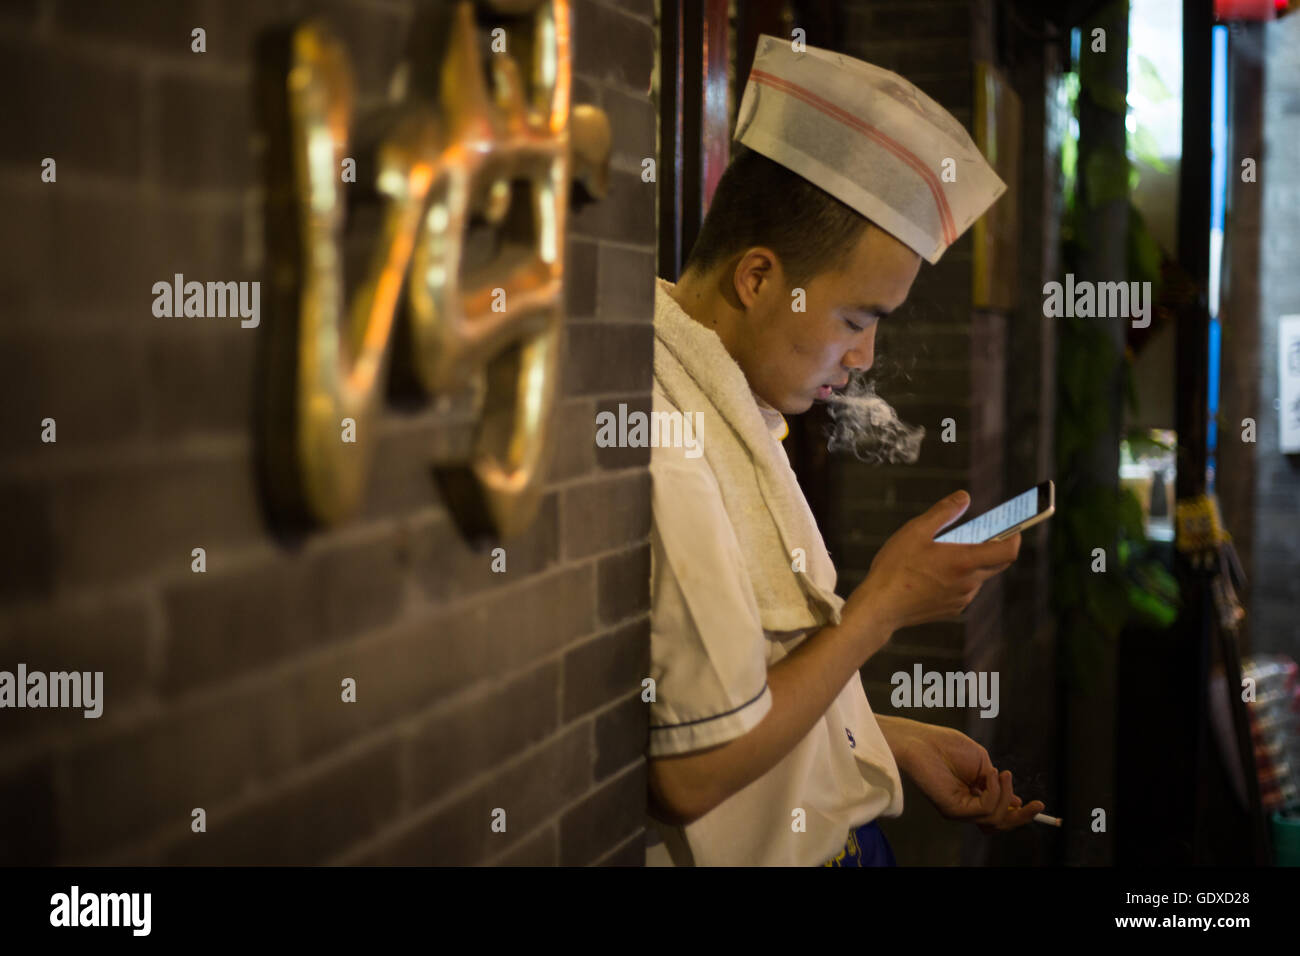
<point>898,149</point>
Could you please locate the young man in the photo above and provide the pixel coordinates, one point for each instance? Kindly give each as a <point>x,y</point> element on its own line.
<point>763,747</point>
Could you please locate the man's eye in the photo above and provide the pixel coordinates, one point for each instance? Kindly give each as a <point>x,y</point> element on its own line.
<point>855,328</point>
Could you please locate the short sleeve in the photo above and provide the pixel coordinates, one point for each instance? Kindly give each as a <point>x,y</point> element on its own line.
<point>708,649</point>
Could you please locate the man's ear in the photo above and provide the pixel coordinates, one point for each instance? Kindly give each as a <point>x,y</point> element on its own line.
<point>756,269</point>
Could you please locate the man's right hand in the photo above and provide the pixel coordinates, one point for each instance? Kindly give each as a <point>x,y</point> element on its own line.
<point>914,580</point>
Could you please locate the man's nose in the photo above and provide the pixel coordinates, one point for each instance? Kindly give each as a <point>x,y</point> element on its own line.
<point>859,359</point>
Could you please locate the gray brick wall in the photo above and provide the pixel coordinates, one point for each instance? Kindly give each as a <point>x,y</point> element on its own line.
<point>475,690</point>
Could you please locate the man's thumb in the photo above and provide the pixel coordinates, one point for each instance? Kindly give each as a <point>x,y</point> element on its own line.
<point>946,512</point>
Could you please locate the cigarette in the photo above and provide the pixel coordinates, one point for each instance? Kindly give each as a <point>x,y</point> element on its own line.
<point>1043,818</point>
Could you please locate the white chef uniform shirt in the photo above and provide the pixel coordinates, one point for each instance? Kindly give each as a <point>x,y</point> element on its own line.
<point>709,660</point>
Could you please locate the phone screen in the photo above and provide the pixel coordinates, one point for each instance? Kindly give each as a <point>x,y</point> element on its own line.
<point>992,523</point>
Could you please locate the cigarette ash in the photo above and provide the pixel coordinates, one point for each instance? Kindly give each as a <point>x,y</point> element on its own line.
<point>865,424</point>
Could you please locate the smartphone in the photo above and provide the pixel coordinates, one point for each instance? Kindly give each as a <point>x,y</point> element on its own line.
<point>1021,512</point>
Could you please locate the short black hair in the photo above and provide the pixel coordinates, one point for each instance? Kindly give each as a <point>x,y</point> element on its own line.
<point>759,202</point>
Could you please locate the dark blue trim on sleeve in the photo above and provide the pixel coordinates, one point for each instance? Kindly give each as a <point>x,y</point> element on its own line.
<point>701,720</point>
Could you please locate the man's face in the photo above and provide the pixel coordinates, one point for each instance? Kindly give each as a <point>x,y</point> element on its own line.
<point>791,358</point>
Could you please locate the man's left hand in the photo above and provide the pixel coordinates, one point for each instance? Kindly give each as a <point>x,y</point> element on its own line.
<point>956,775</point>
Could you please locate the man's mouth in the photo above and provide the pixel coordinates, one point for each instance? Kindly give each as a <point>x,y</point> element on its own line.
<point>825,391</point>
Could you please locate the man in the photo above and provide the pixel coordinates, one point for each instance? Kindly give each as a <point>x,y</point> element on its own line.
<point>763,747</point>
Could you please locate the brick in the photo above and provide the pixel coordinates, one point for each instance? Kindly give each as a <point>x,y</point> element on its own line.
<point>84,270</point>
<point>583,90</point>
<point>612,47</point>
<point>573,431</point>
<point>358,588</point>
<point>154,28</point>
<point>150,242</point>
<point>626,288</point>
<point>612,457</point>
<point>112,637</point>
<point>91,386</point>
<point>451,748</point>
<point>84,115</point>
<point>602,515</point>
<point>541,849</point>
<point>27,806</point>
<point>305,823</point>
<point>895,485</point>
<point>400,479</point>
<point>447,567</point>
<point>530,791</point>
<point>606,668</point>
<point>622,735</point>
<point>29,248</point>
<point>608,817</point>
<point>27,550</point>
<point>623,584</point>
<point>580,278</point>
<point>435,657</point>
<point>224,624</point>
<point>131,782</point>
<point>116,523</point>
<point>634,127</point>
<point>200,379</point>
<point>205,128</point>
<point>626,214</point>
<point>603,359</point>
<point>629,853</point>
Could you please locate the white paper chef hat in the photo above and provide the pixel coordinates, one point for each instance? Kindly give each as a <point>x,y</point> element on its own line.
<point>869,138</point>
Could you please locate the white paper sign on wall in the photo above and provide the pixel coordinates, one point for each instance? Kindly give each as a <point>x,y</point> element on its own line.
<point>1288,384</point>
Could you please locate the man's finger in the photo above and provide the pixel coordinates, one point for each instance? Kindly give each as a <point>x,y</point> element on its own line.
<point>1027,814</point>
<point>993,797</point>
<point>1004,779</point>
<point>944,513</point>
<point>990,554</point>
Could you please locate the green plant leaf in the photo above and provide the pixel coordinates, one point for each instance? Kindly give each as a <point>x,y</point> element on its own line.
<point>1131,520</point>
<point>1147,82</point>
<point>1146,149</point>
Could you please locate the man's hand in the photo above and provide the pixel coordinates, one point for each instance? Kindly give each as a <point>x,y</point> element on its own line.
<point>914,579</point>
<point>956,775</point>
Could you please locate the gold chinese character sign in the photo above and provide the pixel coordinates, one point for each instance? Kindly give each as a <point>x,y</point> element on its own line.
<point>477,134</point>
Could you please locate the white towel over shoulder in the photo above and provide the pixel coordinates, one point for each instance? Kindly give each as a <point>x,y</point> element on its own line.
<point>762,497</point>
